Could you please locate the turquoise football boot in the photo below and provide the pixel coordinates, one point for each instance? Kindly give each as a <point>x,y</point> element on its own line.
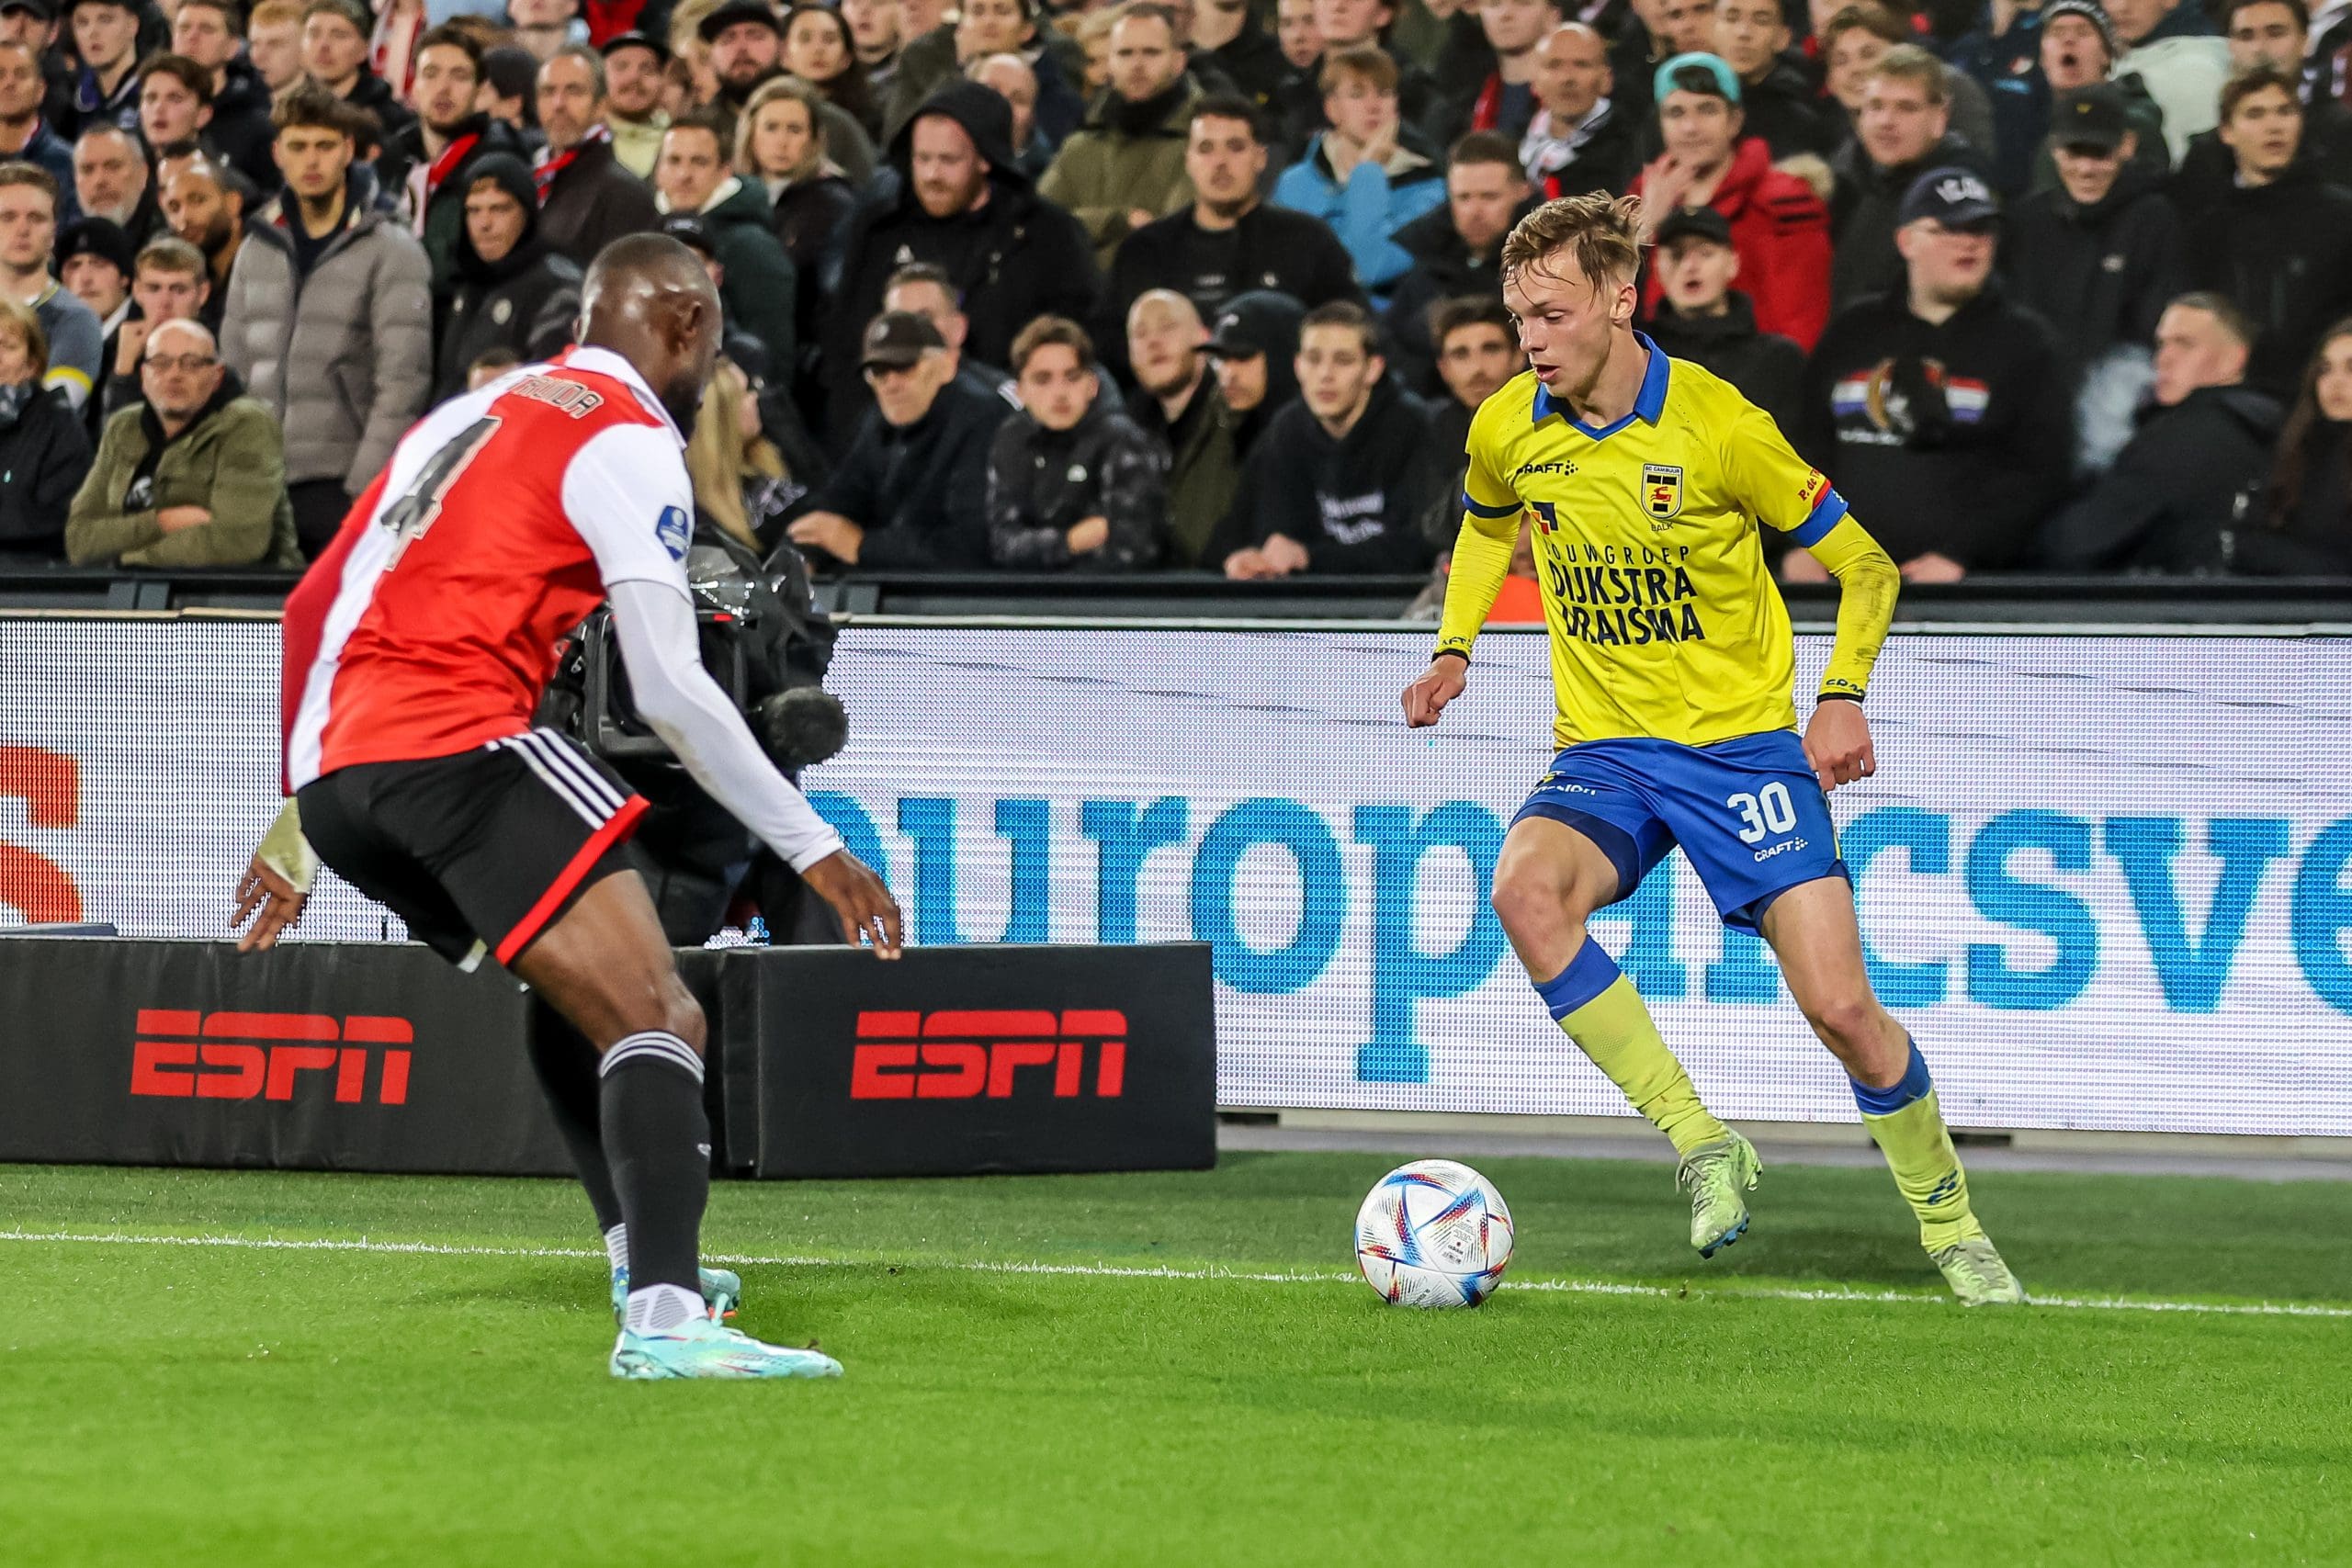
<point>722,1292</point>
<point>700,1348</point>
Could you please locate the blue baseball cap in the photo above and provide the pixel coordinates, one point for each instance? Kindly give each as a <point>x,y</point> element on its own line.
<point>1726,79</point>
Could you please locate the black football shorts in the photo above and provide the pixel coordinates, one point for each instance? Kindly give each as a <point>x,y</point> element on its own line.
<point>488,847</point>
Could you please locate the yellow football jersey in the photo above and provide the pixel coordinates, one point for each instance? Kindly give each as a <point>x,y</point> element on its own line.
<point>1665,621</point>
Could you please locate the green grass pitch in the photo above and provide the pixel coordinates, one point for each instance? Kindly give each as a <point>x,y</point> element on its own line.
<point>1139,1397</point>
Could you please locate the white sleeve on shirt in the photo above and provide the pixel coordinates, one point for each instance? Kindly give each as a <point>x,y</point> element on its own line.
<point>617,493</point>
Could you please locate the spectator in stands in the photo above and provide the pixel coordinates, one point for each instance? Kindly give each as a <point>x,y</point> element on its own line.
<point>1856,37</point>
<point>1229,41</point>
<point>586,198</point>
<point>94,261</point>
<point>2277,33</point>
<point>489,366</point>
<point>25,136</point>
<point>928,291</point>
<point>511,288</point>
<point>633,112</point>
<point>1903,132</point>
<point>1231,241</point>
<point>742,481</point>
<point>329,321</point>
<point>207,207</point>
<point>982,29</point>
<point>1777,102</point>
<point>2078,51</point>
<point>2280,243</point>
<point>274,45</point>
<point>210,33</point>
<point>1940,408</point>
<point>2100,256</point>
<point>874,34</point>
<point>170,283</point>
<point>335,55</point>
<point>1072,483</point>
<point>110,181</point>
<point>1455,250</point>
<point>542,26</point>
<point>193,473</point>
<point>2170,46</point>
<point>1477,353</point>
<point>780,148</point>
<point>695,177</point>
<point>2180,489</point>
<point>1580,139</point>
<point>1366,176</point>
<point>912,490</point>
<point>1255,344</point>
<point>105,41</point>
<point>1505,102</point>
<point>72,337</point>
<point>1342,479</point>
<point>1014,255</point>
<point>2303,524</point>
<point>818,49</point>
<point>1009,77</point>
<point>1185,412</point>
<point>1701,317</point>
<point>175,102</point>
<point>1778,225</point>
<point>1124,166</point>
<point>771,386</point>
<point>44,450</point>
<point>427,166</point>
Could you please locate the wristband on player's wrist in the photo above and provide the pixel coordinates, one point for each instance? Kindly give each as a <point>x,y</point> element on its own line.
<point>1449,653</point>
<point>1853,697</point>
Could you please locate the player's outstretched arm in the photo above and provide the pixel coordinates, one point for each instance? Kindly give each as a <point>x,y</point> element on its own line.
<point>694,719</point>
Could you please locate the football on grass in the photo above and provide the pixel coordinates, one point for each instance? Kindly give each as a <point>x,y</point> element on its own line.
<point>1433,1233</point>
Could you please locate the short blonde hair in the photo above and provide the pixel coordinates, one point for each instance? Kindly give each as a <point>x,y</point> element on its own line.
<point>16,315</point>
<point>1602,233</point>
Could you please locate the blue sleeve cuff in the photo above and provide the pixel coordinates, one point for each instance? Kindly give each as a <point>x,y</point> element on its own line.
<point>1827,513</point>
<point>1473,507</point>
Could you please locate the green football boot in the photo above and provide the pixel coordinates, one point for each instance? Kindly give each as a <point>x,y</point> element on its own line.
<point>1715,1175</point>
<point>701,1347</point>
<point>1976,1274</point>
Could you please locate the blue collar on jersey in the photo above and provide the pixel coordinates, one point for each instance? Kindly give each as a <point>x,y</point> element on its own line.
<point>1648,403</point>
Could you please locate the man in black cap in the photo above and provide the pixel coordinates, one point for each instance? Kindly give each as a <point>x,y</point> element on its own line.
<point>912,491</point>
<point>746,40</point>
<point>94,259</point>
<point>1254,346</point>
<point>2099,256</point>
<point>1702,318</point>
<point>1940,409</point>
<point>633,67</point>
<point>965,206</point>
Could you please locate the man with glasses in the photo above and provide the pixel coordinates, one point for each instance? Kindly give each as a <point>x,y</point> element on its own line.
<point>912,491</point>
<point>193,476</point>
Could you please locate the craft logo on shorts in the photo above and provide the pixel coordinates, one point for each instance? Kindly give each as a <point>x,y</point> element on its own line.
<point>262,1055</point>
<point>968,1053</point>
<point>1662,490</point>
<point>674,531</point>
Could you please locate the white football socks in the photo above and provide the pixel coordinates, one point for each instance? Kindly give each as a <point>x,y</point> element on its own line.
<point>663,1309</point>
<point>616,1247</point>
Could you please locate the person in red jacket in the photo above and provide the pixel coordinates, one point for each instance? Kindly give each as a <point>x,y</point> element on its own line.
<point>1779,228</point>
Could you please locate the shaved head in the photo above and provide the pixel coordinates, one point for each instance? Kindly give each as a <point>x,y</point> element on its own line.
<point>650,299</point>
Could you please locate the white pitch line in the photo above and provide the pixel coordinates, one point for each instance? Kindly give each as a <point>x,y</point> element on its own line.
<point>1118,1271</point>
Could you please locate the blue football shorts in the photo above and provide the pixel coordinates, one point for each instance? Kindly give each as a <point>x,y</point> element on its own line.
<point>1748,813</point>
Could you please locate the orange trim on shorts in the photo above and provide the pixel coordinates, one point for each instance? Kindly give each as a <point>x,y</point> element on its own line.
<point>621,824</point>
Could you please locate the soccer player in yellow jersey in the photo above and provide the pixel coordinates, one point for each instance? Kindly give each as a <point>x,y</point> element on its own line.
<point>1648,482</point>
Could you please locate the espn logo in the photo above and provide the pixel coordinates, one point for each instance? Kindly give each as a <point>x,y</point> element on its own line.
<point>261,1055</point>
<point>966,1054</point>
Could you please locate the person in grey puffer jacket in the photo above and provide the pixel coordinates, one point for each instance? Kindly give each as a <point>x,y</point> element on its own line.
<point>1072,483</point>
<point>329,315</point>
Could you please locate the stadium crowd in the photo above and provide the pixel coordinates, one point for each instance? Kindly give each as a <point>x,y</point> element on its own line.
<point>1208,285</point>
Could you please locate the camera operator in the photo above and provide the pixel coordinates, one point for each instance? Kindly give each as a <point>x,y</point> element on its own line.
<point>768,645</point>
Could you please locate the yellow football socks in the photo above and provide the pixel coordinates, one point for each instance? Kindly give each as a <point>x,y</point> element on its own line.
<point>1908,1128</point>
<point>1601,1011</point>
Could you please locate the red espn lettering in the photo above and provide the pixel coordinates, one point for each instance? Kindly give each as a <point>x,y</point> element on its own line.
<point>962,1054</point>
<point>262,1055</point>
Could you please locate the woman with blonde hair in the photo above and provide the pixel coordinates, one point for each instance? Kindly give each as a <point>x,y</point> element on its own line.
<point>44,450</point>
<point>741,483</point>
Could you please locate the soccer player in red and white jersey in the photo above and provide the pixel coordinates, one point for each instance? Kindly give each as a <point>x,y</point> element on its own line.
<point>416,651</point>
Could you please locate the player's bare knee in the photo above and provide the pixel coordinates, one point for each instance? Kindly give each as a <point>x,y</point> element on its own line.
<point>1849,1025</point>
<point>1530,897</point>
<point>684,1015</point>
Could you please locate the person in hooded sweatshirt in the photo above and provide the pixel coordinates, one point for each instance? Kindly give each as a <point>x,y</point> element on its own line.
<point>1342,479</point>
<point>912,492</point>
<point>2202,451</point>
<point>512,291</point>
<point>1940,409</point>
<point>2303,525</point>
<point>1072,483</point>
<point>2100,256</point>
<point>2279,243</point>
<point>1367,174</point>
<point>1703,319</point>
